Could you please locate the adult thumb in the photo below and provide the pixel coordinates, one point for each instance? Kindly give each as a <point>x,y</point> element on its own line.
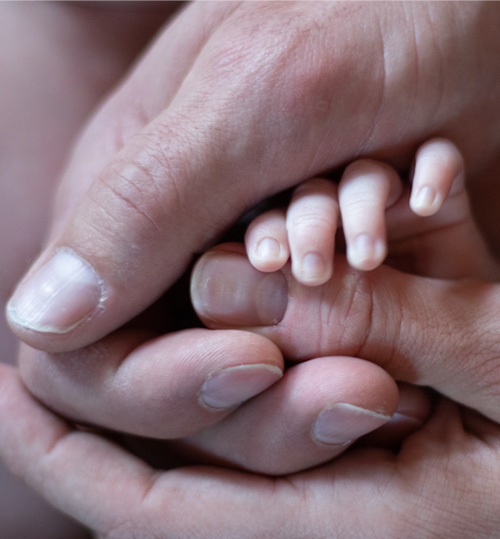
<point>135,202</point>
<point>431,332</point>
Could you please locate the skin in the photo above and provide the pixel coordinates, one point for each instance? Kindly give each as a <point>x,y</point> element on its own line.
<point>393,488</point>
<point>135,499</point>
<point>454,438</point>
<point>306,229</point>
<point>115,510</point>
<point>45,63</point>
<point>157,168</point>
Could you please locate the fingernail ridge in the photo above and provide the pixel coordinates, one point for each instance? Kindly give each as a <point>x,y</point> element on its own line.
<point>58,296</point>
<point>232,386</point>
<point>227,290</point>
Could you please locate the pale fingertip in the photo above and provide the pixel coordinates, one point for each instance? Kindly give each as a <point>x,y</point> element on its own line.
<point>268,249</point>
<point>366,253</point>
<point>268,255</point>
<point>426,201</point>
<point>313,270</point>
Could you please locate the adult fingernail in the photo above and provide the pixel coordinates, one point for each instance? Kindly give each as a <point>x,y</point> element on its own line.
<point>228,290</point>
<point>343,423</point>
<point>58,296</point>
<point>234,385</point>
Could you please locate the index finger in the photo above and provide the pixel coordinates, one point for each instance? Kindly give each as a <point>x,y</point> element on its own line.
<point>162,387</point>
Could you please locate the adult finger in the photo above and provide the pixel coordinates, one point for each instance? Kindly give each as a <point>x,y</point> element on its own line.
<point>314,413</point>
<point>250,85</point>
<point>415,406</point>
<point>422,331</point>
<point>129,109</point>
<point>369,492</point>
<point>161,387</point>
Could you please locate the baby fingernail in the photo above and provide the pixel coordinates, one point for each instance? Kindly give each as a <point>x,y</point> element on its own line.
<point>343,423</point>
<point>426,201</point>
<point>58,296</point>
<point>313,269</point>
<point>234,385</point>
<point>366,253</point>
<point>268,249</point>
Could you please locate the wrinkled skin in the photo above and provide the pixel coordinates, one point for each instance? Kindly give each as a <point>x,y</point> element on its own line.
<point>203,163</point>
<point>56,63</point>
<point>235,102</point>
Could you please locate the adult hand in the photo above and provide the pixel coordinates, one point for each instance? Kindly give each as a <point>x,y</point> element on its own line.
<point>422,331</point>
<point>441,483</point>
<point>366,315</point>
<point>198,384</point>
<point>124,383</point>
<point>456,451</point>
<point>407,493</point>
<point>57,60</point>
<point>12,437</point>
<point>235,102</point>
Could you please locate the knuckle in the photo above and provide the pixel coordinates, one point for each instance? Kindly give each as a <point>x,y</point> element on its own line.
<point>133,195</point>
<point>307,223</point>
<point>272,52</point>
<point>125,194</point>
<point>341,311</point>
<point>356,310</point>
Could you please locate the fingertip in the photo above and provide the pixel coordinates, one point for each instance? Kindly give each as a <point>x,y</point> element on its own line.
<point>426,201</point>
<point>313,270</point>
<point>57,296</point>
<point>226,291</point>
<point>311,222</point>
<point>366,253</point>
<point>366,190</point>
<point>413,410</point>
<point>266,241</point>
<point>234,385</point>
<point>268,255</point>
<point>439,172</point>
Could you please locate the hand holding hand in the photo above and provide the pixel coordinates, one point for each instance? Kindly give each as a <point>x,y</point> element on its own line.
<point>235,102</point>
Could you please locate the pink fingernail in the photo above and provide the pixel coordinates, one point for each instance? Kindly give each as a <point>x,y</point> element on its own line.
<point>228,290</point>
<point>366,253</point>
<point>234,385</point>
<point>426,201</point>
<point>58,296</point>
<point>268,249</point>
<point>343,423</point>
<point>314,268</point>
